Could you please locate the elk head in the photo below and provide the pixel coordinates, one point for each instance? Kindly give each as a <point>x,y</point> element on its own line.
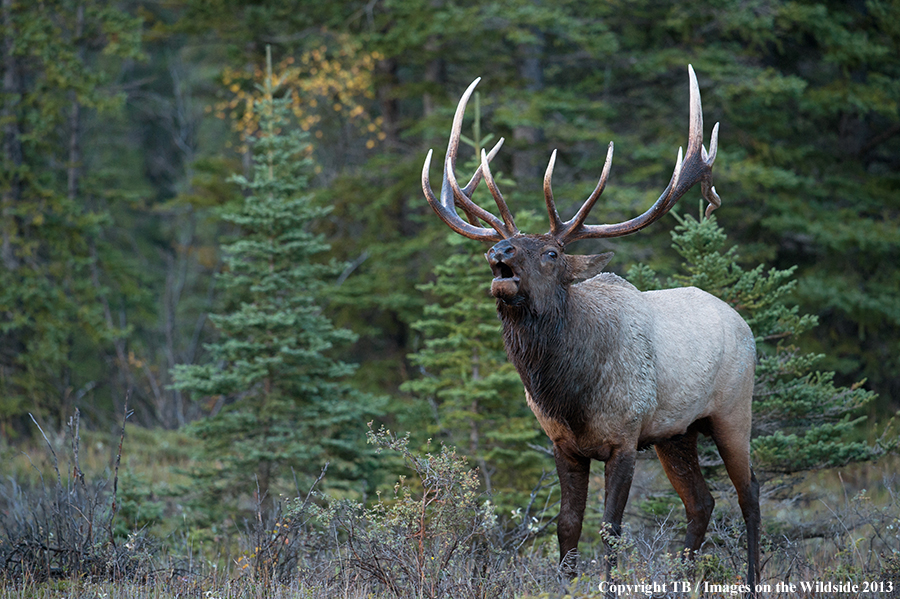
<point>531,268</point>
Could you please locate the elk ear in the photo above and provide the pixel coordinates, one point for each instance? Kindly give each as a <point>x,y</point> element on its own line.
<point>582,268</point>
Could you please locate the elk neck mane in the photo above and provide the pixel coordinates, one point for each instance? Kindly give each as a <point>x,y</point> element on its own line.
<point>559,361</point>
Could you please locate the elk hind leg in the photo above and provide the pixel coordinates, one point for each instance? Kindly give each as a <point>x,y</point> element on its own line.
<point>681,464</point>
<point>733,442</point>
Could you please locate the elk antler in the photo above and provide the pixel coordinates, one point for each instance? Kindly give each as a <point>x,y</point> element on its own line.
<point>452,195</point>
<point>696,167</point>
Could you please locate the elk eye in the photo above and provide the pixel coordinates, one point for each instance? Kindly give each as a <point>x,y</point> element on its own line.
<point>551,254</point>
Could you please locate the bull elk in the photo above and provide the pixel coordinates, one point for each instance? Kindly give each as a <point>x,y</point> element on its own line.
<point>609,370</point>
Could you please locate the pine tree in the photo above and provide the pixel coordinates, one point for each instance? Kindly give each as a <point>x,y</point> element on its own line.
<point>802,421</point>
<point>287,407</point>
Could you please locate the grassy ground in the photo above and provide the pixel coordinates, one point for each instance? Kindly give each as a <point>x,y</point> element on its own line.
<point>836,529</point>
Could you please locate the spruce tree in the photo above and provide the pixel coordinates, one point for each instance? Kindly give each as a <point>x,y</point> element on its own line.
<point>287,408</point>
<point>802,420</point>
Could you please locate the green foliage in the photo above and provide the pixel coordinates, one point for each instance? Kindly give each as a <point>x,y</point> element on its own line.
<point>802,420</point>
<point>140,509</point>
<point>372,224</point>
<point>56,272</point>
<point>759,296</point>
<point>286,404</point>
<point>805,92</point>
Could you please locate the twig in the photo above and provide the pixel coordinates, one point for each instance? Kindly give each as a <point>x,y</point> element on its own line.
<point>50,446</point>
<point>78,474</point>
<point>75,425</point>
<point>313,486</point>
<point>115,503</point>
<point>351,267</point>
<point>847,530</point>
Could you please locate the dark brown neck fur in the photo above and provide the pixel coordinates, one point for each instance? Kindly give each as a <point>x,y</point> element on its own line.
<point>549,353</point>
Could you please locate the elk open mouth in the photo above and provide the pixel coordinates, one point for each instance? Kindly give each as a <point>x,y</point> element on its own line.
<point>505,284</point>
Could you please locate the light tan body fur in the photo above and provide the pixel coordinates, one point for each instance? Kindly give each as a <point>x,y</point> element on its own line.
<point>693,358</point>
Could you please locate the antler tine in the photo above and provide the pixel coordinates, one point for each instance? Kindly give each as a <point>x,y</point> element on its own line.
<point>578,220</point>
<point>695,128</point>
<point>476,178</point>
<point>710,195</point>
<point>676,174</point>
<point>445,210</point>
<point>696,167</point>
<point>469,189</point>
<point>556,224</point>
<point>498,197</point>
<point>706,187</point>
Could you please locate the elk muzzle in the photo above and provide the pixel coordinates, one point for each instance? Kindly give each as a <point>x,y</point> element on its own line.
<point>505,285</point>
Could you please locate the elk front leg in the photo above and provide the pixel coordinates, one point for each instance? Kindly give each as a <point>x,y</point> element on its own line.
<point>573,474</point>
<point>618,475</point>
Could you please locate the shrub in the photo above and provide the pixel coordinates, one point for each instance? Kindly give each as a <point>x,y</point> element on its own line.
<point>67,527</point>
<point>433,537</point>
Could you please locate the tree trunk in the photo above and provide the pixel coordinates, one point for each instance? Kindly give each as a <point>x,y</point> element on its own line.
<point>526,161</point>
<point>12,145</point>
<point>386,83</point>
<point>74,170</point>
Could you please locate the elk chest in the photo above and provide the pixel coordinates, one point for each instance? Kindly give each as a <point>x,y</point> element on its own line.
<point>585,363</point>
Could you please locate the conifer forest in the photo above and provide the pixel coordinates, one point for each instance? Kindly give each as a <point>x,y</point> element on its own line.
<point>241,356</point>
